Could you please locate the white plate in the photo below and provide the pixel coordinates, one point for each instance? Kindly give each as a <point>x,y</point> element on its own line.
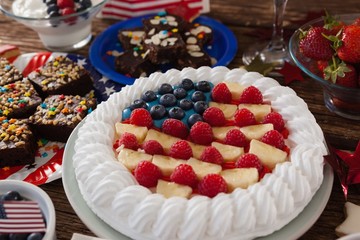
<point>293,230</point>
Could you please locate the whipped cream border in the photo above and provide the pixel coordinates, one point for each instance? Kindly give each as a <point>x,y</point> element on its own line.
<point>113,194</point>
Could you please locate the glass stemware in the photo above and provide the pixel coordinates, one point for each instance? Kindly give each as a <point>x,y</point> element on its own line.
<point>274,52</point>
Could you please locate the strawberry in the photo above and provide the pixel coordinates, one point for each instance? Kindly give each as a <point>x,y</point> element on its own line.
<point>315,45</point>
<point>251,95</point>
<point>147,174</point>
<point>221,93</point>
<point>212,184</point>
<point>341,73</point>
<point>276,120</point>
<point>184,174</point>
<point>128,140</point>
<point>244,117</point>
<point>273,138</point>
<point>236,138</point>
<point>333,25</point>
<point>322,64</point>
<point>181,149</point>
<point>214,116</point>
<point>356,22</point>
<point>65,4</point>
<point>175,128</point>
<point>141,117</point>
<point>249,160</point>
<point>349,51</point>
<point>212,155</point>
<point>153,147</point>
<point>201,133</point>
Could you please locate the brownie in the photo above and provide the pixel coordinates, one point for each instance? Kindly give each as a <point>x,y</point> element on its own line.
<point>18,145</point>
<point>164,21</point>
<point>194,57</point>
<point>57,116</point>
<point>130,38</point>
<point>134,63</point>
<point>61,76</point>
<point>18,99</point>
<point>198,34</point>
<point>8,72</point>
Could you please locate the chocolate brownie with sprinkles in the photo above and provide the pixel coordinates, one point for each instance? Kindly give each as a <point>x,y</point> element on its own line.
<point>57,116</point>
<point>61,76</point>
<point>132,37</point>
<point>18,99</point>
<point>8,72</point>
<point>164,21</point>
<point>18,144</point>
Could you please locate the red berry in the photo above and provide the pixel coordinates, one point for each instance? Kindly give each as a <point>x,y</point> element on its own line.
<point>314,45</point>
<point>212,155</point>
<point>67,11</point>
<point>212,184</point>
<point>214,116</point>
<point>181,149</point>
<point>201,133</point>
<point>153,147</point>
<point>341,73</point>
<point>221,93</point>
<point>175,128</point>
<point>251,95</point>
<point>128,140</point>
<point>249,160</point>
<point>274,138</point>
<point>184,174</point>
<point>276,120</point>
<point>244,117</point>
<point>349,51</point>
<point>236,138</point>
<point>65,4</point>
<point>141,117</point>
<point>147,174</point>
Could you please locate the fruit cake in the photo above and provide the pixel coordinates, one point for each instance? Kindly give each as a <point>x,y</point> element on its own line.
<point>222,158</point>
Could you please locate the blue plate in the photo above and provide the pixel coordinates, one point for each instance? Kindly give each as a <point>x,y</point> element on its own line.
<point>223,47</point>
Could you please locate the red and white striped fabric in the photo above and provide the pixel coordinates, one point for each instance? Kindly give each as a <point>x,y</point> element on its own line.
<point>123,9</point>
<point>21,217</point>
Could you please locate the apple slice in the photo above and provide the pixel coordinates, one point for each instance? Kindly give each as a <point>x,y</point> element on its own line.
<point>256,131</point>
<point>240,177</point>
<point>268,155</point>
<point>259,110</point>
<point>166,164</point>
<point>171,189</point>
<point>131,158</point>
<point>228,109</point>
<point>164,139</point>
<point>201,168</point>
<point>138,131</point>
<point>236,89</point>
<point>229,153</point>
<point>220,132</point>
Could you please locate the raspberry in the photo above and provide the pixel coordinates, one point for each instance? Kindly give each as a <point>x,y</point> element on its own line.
<point>244,117</point>
<point>184,174</point>
<point>214,116</point>
<point>276,120</point>
<point>175,127</point>
<point>141,117</point>
<point>65,4</point>
<point>181,149</point>
<point>249,160</point>
<point>251,95</point>
<point>153,147</point>
<point>274,138</point>
<point>201,133</point>
<point>236,138</point>
<point>212,155</point>
<point>128,140</point>
<point>212,184</point>
<point>221,93</point>
<point>147,174</point>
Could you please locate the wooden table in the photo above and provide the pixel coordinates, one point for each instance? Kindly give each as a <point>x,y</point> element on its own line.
<point>244,18</point>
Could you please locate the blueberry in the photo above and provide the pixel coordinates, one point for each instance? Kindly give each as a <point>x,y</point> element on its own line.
<point>187,84</point>
<point>35,236</point>
<point>18,236</point>
<point>168,100</point>
<point>180,93</point>
<point>138,103</point>
<point>126,113</point>
<point>85,3</point>
<point>49,2</point>
<point>52,8</point>
<point>176,113</point>
<point>194,118</point>
<point>186,104</point>
<point>54,14</point>
<point>203,86</point>
<point>198,96</point>
<point>12,195</point>
<point>149,96</point>
<point>157,111</point>
<point>200,106</point>
<point>165,88</point>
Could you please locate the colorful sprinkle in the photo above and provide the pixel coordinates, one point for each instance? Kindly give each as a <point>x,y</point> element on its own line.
<point>27,94</point>
<point>43,105</point>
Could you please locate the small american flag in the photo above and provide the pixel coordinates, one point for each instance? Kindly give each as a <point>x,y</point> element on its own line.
<point>21,217</point>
